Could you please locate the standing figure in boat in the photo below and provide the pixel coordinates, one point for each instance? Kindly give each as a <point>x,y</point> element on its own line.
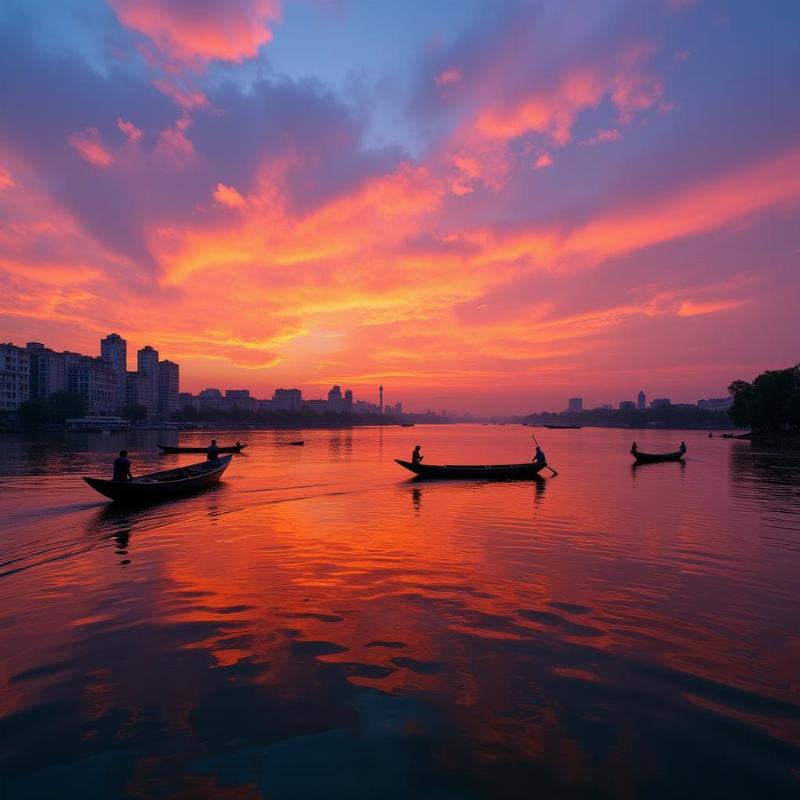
<point>682,448</point>
<point>416,456</point>
<point>634,449</point>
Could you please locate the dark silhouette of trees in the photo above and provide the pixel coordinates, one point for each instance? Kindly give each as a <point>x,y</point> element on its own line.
<point>135,412</point>
<point>770,403</point>
<point>56,408</point>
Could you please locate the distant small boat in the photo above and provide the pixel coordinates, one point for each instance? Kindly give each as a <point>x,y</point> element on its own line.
<point>564,427</point>
<point>234,448</point>
<point>651,458</point>
<point>298,442</point>
<point>163,485</point>
<point>479,471</point>
<point>406,424</point>
<point>736,435</point>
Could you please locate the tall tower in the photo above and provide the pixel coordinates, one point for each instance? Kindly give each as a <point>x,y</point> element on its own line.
<point>114,351</point>
<point>380,392</point>
<point>147,362</point>
<point>641,402</point>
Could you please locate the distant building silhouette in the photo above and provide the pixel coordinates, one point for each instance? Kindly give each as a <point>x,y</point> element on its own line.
<point>137,389</point>
<point>575,404</point>
<point>335,399</point>
<point>96,381</point>
<point>147,363</point>
<point>114,351</point>
<point>15,376</point>
<point>168,387</point>
<point>626,405</point>
<point>661,402</point>
<point>48,371</point>
<point>641,402</point>
<point>287,400</point>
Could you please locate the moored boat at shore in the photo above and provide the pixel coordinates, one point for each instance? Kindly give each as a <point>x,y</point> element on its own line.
<point>479,471</point>
<point>163,485</point>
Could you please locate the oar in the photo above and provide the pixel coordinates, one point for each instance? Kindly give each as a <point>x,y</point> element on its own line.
<point>548,466</point>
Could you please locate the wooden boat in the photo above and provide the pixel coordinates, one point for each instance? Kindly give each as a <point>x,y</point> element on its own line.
<point>298,442</point>
<point>564,427</point>
<point>745,436</point>
<point>406,424</point>
<point>163,485</point>
<point>479,471</point>
<point>652,458</point>
<point>234,448</point>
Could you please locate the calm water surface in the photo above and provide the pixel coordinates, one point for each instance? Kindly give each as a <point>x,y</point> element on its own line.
<point>322,625</point>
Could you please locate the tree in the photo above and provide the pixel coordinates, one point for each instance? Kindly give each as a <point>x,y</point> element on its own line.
<point>33,413</point>
<point>62,405</point>
<point>135,412</point>
<point>770,403</point>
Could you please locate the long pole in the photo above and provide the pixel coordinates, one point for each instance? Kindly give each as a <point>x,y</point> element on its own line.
<point>548,466</point>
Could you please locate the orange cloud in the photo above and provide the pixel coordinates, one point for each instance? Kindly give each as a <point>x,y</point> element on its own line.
<point>189,32</point>
<point>690,308</point>
<point>88,145</point>
<point>174,145</point>
<point>228,196</point>
<point>544,160</point>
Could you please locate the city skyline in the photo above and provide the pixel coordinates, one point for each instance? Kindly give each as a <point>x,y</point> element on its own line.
<point>483,207</point>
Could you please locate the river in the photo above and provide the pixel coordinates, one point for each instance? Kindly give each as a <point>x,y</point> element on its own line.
<point>323,625</point>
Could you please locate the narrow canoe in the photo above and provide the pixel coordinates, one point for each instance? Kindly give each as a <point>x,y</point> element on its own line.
<point>651,458</point>
<point>163,485</point>
<point>479,471</point>
<point>234,448</point>
<point>564,427</point>
<point>298,442</point>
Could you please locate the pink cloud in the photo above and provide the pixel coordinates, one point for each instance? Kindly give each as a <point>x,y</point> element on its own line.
<point>603,135</point>
<point>185,96</point>
<point>6,181</point>
<point>228,196</point>
<point>448,76</point>
<point>88,145</point>
<point>133,133</point>
<point>192,33</point>
<point>174,144</point>
<point>544,160</point>
<point>691,308</point>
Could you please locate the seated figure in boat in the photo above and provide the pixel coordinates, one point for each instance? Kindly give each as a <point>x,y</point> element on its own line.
<point>122,467</point>
<point>416,456</point>
<point>213,451</point>
<point>539,457</point>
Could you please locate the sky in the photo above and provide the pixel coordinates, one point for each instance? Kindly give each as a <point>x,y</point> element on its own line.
<point>488,206</point>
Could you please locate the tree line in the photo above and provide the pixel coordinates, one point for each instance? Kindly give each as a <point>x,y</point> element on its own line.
<point>771,403</point>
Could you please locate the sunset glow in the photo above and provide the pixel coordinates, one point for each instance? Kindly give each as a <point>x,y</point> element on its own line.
<point>484,206</point>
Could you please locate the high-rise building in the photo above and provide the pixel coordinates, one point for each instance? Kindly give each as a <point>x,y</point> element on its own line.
<point>48,370</point>
<point>96,382</point>
<point>641,402</point>
<point>210,398</point>
<point>147,362</point>
<point>15,374</point>
<point>287,400</point>
<point>335,399</point>
<point>347,404</point>
<point>575,404</point>
<point>168,387</point>
<point>380,400</point>
<point>660,402</point>
<point>137,389</point>
<point>114,351</point>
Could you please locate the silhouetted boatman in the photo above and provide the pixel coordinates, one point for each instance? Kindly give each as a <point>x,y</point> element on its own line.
<point>634,449</point>
<point>682,448</point>
<point>539,457</point>
<point>122,467</point>
<point>416,456</point>
<point>213,451</point>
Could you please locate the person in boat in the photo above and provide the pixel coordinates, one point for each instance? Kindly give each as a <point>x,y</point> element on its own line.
<point>213,451</point>
<point>416,456</point>
<point>122,467</point>
<point>682,448</point>
<point>539,458</point>
<point>238,444</point>
<point>634,448</point>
